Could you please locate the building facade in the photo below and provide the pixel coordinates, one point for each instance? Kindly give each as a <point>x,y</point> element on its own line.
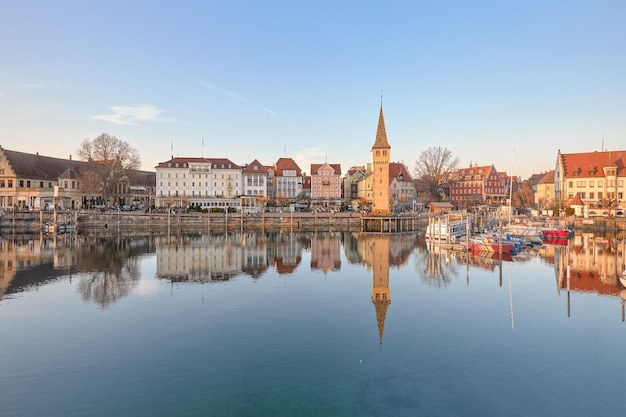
<point>597,178</point>
<point>477,185</point>
<point>204,182</point>
<point>287,180</point>
<point>325,185</point>
<point>33,182</point>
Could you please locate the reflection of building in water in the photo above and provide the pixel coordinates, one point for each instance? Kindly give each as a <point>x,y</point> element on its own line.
<point>595,264</point>
<point>17,256</point>
<point>255,254</point>
<point>326,251</point>
<point>288,252</point>
<point>381,297</point>
<point>202,259</point>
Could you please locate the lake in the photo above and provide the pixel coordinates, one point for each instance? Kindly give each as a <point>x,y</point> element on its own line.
<point>308,324</point>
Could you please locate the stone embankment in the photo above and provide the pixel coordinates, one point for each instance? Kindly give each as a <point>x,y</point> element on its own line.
<point>33,222</point>
<point>29,222</point>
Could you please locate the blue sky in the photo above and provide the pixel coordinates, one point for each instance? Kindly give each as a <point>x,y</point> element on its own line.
<point>502,82</point>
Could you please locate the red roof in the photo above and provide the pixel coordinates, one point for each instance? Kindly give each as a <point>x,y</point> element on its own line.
<point>591,164</point>
<point>335,167</point>
<point>396,169</point>
<point>286,164</point>
<point>260,168</point>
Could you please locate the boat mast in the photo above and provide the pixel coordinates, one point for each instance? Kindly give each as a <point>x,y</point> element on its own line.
<point>511,188</point>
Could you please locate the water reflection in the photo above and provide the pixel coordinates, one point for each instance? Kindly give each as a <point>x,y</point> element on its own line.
<point>108,269</point>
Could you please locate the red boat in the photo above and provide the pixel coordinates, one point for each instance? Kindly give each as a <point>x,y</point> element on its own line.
<point>489,244</point>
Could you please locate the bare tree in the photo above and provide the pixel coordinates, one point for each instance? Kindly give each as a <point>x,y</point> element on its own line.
<point>109,161</point>
<point>433,166</point>
<point>523,195</point>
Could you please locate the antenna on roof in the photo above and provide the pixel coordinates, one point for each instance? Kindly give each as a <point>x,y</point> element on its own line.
<point>602,142</point>
<point>172,150</point>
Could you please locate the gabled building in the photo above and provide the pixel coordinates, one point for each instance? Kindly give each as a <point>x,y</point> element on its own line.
<point>33,182</point>
<point>477,185</point>
<point>597,177</point>
<point>287,179</point>
<point>325,185</point>
<point>350,183</point>
<point>544,195</point>
<point>255,179</point>
<point>401,187</point>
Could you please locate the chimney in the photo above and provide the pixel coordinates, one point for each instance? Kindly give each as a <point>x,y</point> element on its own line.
<point>70,157</point>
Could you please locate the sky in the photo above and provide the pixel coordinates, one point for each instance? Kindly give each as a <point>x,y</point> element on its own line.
<point>507,83</point>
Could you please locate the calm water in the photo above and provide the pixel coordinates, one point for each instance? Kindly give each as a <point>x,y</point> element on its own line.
<point>318,324</point>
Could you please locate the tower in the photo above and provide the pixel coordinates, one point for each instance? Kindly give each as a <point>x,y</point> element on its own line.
<point>381,153</point>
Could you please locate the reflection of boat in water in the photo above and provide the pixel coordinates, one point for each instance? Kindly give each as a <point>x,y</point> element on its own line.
<point>556,241</point>
<point>622,279</point>
<point>494,255</point>
<point>488,244</point>
<point>560,232</point>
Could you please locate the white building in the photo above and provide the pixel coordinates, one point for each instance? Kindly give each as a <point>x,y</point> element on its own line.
<point>205,182</point>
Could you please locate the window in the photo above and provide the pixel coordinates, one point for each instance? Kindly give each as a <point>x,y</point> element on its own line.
<point>570,184</point>
<point>580,183</point>
<point>9,183</point>
<point>591,195</point>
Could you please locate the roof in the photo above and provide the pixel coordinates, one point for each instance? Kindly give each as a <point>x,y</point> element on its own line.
<point>591,164</point>
<point>381,133</point>
<point>442,204</point>
<point>548,178</point>
<point>335,167</point>
<point>255,167</point>
<point>284,164</point>
<point>463,174</point>
<point>181,161</point>
<point>41,167</point>
<point>576,201</point>
<point>396,169</point>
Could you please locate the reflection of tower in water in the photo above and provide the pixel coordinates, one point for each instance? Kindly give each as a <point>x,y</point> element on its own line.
<point>380,280</point>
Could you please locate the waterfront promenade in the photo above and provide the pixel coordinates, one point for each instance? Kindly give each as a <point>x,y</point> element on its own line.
<point>84,220</point>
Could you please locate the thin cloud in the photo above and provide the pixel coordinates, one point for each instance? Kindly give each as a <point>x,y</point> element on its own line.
<point>131,115</point>
<point>235,96</point>
<point>309,156</point>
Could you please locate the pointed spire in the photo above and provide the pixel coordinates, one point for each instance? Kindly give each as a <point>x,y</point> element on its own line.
<point>381,133</point>
<point>381,315</point>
